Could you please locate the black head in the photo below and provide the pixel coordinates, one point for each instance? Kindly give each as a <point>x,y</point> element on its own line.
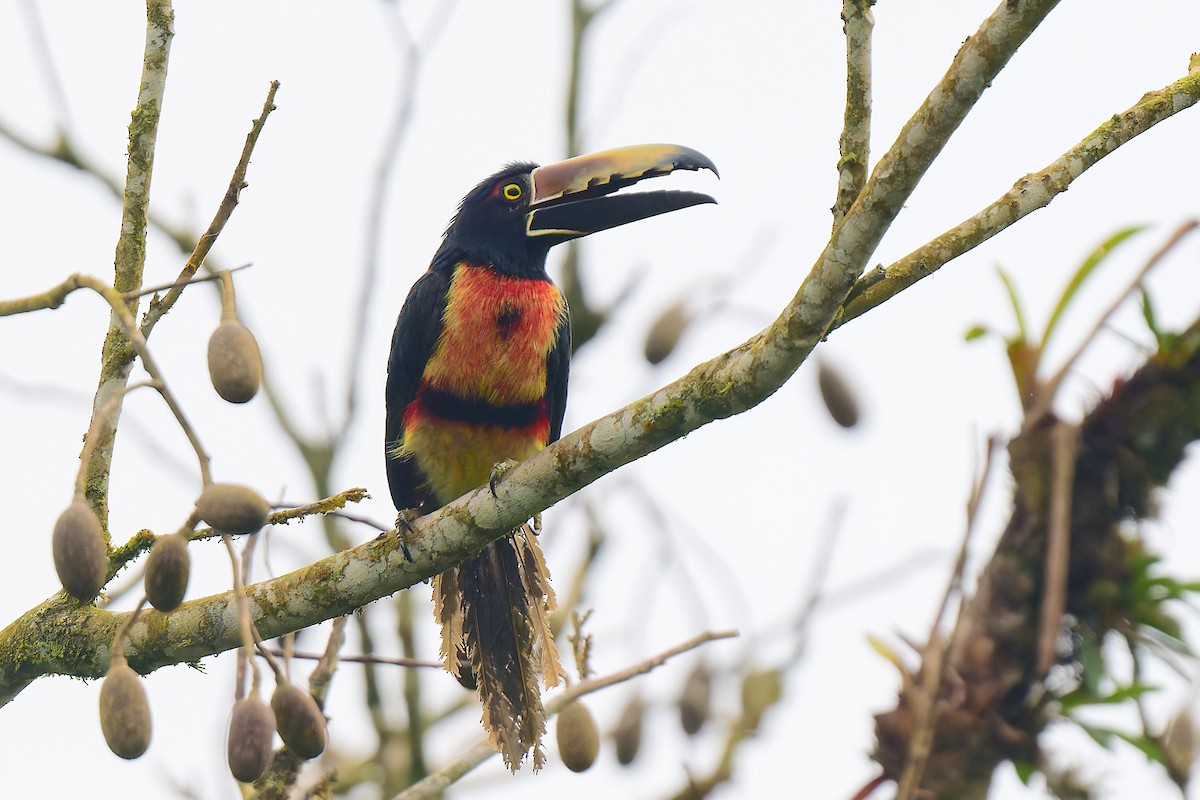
<point>489,227</point>
<point>511,220</point>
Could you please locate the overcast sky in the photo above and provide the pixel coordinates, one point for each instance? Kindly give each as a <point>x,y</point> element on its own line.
<point>758,87</point>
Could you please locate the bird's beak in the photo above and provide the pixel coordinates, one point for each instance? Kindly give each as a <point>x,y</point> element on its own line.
<point>576,197</point>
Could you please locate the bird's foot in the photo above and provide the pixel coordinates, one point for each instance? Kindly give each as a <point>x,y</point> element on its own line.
<point>498,471</point>
<point>405,531</point>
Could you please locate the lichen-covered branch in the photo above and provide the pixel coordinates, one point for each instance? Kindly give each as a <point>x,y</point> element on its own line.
<point>922,138</point>
<point>854,147</point>
<point>1027,195</point>
<point>727,385</point>
<point>118,352</point>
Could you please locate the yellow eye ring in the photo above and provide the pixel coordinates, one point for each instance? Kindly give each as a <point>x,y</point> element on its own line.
<point>512,191</point>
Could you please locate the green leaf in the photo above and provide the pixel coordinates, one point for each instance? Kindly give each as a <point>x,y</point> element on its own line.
<point>1092,662</point>
<point>1144,743</point>
<point>1149,315</point>
<point>1102,736</point>
<point>1105,737</point>
<point>1018,311</point>
<point>1083,272</point>
<point>976,332</point>
<point>1025,770</point>
<point>1080,698</point>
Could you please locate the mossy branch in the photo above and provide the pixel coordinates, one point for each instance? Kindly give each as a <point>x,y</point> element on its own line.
<point>1027,195</point>
<point>854,146</point>
<point>989,704</point>
<point>130,260</point>
<point>727,385</point>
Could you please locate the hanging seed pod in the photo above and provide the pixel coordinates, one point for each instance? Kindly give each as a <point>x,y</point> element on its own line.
<point>761,689</point>
<point>696,698</point>
<point>578,737</point>
<point>124,710</point>
<point>251,731</point>
<point>628,734</point>
<point>837,395</point>
<point>301,723</point>
<point>232,509</point>
<point>80,554</point>
<point>234,362</point>
<point>666,331</point>
<point>167,569</point>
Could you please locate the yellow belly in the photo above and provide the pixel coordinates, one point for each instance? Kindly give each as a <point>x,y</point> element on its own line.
<point>456,457</point>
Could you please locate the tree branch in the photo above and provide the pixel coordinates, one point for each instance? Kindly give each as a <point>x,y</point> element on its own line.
<point>118,352</point>
<point>855,145</point>
<point>434,785</point>
<point>727,385</point>
<point>159,308</point>
<point>1027,195</point>
<point>991,706</point>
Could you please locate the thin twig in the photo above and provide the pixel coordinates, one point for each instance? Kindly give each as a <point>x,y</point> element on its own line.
<point>1048,389</point>
<point>954,587</point>
<point>411,62</point>
<point>322,675</point>
<point>936,652</point>
<point>360,659</point>
<point>434,785</point>
<point>49,70</point>
<point>215,276</point>
<point>1065,438</point>
<point>55,296</point>
<point>109,409</point>
<point>207,239</point>
<point>817,575</point>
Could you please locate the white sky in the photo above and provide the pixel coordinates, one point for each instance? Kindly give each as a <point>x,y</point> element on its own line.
<point>758,89</point>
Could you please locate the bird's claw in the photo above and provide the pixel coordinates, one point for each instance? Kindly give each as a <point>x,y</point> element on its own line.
<point>498,471</point>
<point>405,531</point>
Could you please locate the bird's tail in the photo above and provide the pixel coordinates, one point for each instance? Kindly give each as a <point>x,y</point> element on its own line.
<point>495,616</point>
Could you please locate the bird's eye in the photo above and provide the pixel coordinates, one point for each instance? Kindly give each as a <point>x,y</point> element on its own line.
<point>512,191</point>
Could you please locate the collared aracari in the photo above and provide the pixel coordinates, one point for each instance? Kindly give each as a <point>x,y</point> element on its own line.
<point>478,377</point>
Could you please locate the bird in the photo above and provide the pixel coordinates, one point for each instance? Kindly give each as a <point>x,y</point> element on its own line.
<point>477,380</point>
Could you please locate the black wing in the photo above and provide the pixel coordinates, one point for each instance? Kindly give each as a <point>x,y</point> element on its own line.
<point>558,368</point>
<point>416,334</point>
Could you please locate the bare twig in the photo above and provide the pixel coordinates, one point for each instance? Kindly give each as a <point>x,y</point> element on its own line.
<point>360,659</point>
<point>1065,438</point>
<point>105,413</point>
<point>585,319</point>
<point>817,575</point>
<point>319,680</point>
<point>224,211</point>
<point>935,653</point>
<point>1048,389</point>
<point>434,785</point>
<point>215,276</point>
<point>41,51</point>
<point>411,57</point>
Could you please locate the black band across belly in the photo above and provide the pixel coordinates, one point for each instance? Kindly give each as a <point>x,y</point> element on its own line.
<point>447,405</point>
